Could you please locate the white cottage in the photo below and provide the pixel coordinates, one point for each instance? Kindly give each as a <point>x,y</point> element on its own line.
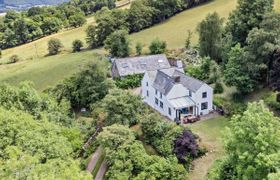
<point>176,95</point>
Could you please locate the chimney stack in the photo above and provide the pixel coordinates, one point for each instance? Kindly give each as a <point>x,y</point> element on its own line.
<point>176,79</point>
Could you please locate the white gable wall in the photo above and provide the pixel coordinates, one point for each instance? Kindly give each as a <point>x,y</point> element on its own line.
<point>197,97</point>
<point>150,100</point>
<point>178,90</point>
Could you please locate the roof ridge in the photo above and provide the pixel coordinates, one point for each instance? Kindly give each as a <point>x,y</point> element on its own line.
<point>189,76</point>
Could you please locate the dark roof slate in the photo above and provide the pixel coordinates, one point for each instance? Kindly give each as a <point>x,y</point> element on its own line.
<point>164,81</point>
<point>138,65</point>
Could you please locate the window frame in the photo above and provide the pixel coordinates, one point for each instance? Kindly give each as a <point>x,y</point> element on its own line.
<point>161,104</point>
<point>203,107</point>
<point>156,101</point>
<point>204,94</point>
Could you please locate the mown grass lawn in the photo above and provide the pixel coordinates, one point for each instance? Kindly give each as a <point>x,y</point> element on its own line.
<point>210,132</point>
<point>48,71</point>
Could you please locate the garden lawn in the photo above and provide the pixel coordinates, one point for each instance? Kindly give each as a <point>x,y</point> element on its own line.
<point>210,132</point>
<point>48,71</point>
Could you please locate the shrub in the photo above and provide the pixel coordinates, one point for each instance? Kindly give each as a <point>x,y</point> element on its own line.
<point>130,81</point>
<point>138,48</point>
<point>271,101</point>
<point>13,59</point>
<point>54,46</point>
<point>77,45</point>
<point>186,147</point>
<point>157,47</point>
<point>218,89</point>
<point>230,107</point>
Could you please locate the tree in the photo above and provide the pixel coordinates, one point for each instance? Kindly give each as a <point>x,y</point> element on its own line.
<point>77,20</point>
<point>77,45</point>
<point>185,146</point>
<point>54,46</point>
<point>236,72</point>
<point>188,40</point>
<point>119,107</point>
<point>261,43</point>
<point>248,15</point>
<point>118,44</point>
<point>43,148</point>
<point>86,87</point>
<point>112,137</point>
<point>140,16</point>
<point>91,38</point>
<point>157,46</point>
<point>253,143</point>
<point>51,25</point>
<point>107,22</point>
<point>274,79</point>
<point>210,35</point>
<point>139,48</point>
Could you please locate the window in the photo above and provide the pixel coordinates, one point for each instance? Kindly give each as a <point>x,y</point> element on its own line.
<point>156,92</point>
<point>160,95</point>
<point>156,101</point>
<point>147,93</point>
<point>204,95</point>
<point>161,104</point>
<point>204,105</point>
<point>190,93</point>
<point>147,84</point>
<point>169,111</point>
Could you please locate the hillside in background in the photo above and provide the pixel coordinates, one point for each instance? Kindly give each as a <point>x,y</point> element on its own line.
<point>20,5</point>
<point>31,2</point>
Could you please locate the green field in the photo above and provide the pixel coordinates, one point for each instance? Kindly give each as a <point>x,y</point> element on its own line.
<point>174,31</point>
<point>48,71</point>
<point>210,133</point>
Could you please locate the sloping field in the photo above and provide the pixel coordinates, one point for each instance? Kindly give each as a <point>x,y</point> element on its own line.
<point>48,71</point>
<point>174,31</point>
<point>39,48</point>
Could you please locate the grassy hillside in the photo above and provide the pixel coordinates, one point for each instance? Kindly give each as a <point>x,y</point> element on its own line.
<point>174,31</point>
<point>33,2</point>
<point>39,48</point>
<point>48,71</point>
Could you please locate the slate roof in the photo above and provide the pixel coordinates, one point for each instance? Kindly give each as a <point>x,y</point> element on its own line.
<point>165,80</point>
<point>138,65</point>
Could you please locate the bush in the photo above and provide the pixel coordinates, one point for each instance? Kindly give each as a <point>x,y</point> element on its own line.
<point>77,45</point>
<point>138,48</point>
<point>157,47</point>
<point>130,81</point>
<point>54,46</point>
<point>270,100</point>
<point>13,59</point>
<point>230,107</point>
<point>218,89</point>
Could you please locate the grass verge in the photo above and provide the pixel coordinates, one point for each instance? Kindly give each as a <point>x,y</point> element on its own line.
<point>210,133</point>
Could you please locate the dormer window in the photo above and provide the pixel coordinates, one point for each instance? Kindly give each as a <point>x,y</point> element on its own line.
<point>190,93</point>
<point>147,84</point>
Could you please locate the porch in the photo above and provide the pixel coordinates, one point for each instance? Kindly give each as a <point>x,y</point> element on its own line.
<point>186,110</point>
